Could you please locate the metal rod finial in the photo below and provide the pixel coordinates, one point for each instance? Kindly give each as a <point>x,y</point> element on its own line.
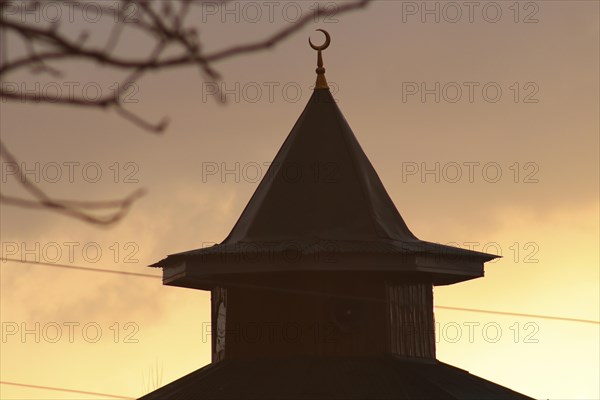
<point>321,81</point>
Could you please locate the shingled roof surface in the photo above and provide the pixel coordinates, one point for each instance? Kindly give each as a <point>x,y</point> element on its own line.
<point>331,378</point>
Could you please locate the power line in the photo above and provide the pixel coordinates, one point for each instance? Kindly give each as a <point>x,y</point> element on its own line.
<point>112,396</point>
<point>507,313</point>
<point>107,271</point>
<point>584,321</point>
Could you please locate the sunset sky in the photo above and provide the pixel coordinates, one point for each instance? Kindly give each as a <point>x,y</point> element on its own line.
<point>485,134</point>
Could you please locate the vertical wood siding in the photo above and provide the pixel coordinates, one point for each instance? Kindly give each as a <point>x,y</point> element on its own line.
<point>411,324</point>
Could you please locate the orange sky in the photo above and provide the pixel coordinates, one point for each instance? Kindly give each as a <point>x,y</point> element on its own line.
<point>541,213</point>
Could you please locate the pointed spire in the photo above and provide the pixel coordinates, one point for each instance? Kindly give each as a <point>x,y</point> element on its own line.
<point>321,81</point>
<point>344,201</point>
<point>321,196</point>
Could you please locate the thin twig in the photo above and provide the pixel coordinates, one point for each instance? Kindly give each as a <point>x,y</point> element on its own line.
<point>45,44</point>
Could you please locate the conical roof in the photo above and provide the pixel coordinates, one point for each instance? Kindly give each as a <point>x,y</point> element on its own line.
<point>321,185</point>
<point>321,195</point>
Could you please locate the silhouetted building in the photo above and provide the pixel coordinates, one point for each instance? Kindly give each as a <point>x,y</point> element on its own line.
<point>321,291</point>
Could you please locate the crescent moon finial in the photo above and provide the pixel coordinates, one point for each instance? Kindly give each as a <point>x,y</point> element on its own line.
<point>324,45</point>
<point>321,81</point>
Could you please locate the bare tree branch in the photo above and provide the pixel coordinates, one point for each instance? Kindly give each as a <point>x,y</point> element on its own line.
<point>41,200</point>
<point>165,26</point>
